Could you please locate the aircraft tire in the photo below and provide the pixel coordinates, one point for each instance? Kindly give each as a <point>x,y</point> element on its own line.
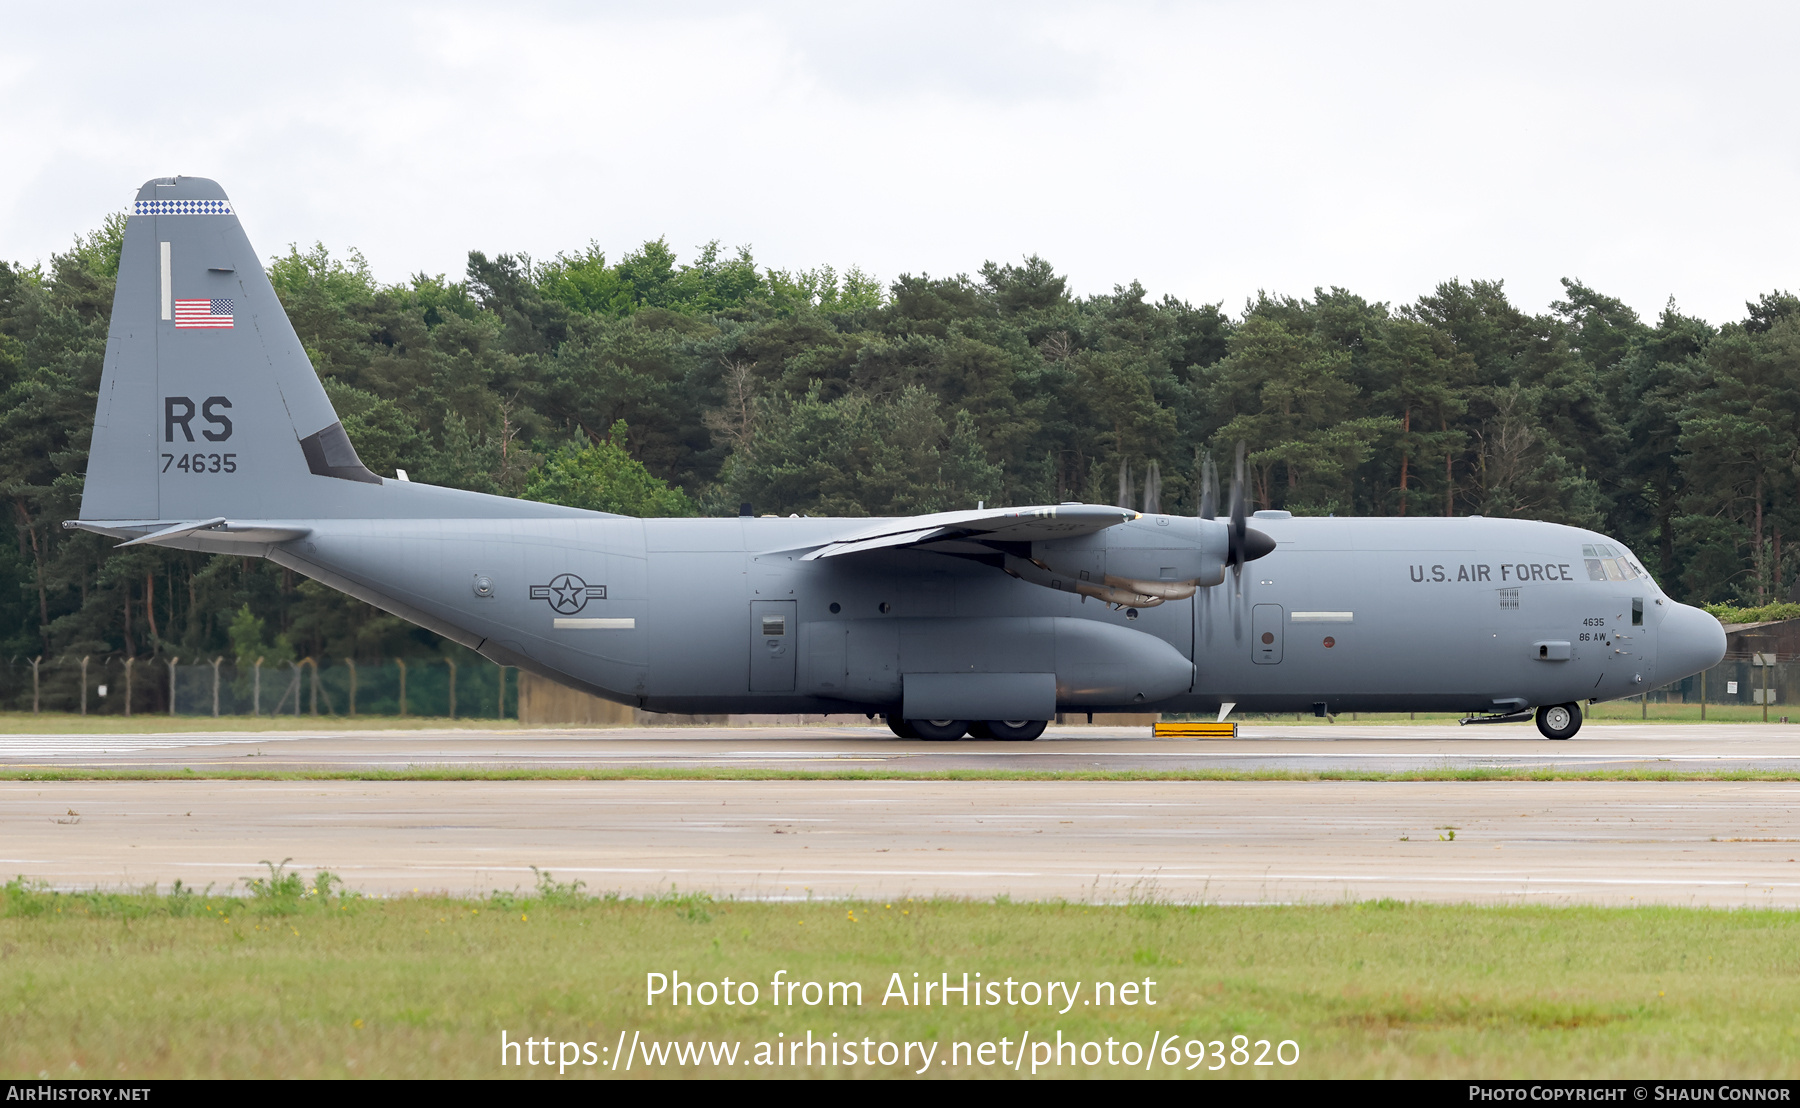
<point>1013,730</point>
<point>1559,721</point>
<point>900,727</point>
<point>941,730</point>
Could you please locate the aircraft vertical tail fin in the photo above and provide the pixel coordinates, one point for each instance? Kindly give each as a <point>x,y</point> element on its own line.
<point>208,404</point>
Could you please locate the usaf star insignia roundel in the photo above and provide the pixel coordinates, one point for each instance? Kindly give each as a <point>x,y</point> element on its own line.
<point>568,593</point>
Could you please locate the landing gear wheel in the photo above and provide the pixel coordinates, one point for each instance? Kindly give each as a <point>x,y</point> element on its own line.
<point>900,727</point>
<point>939,729</point>
<point>1559,721</point>
<point>1013,730</point>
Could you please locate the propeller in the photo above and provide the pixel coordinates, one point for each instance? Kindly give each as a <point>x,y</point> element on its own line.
<point>1243,542</point>
<point>1246,543</point>
<point>1209,507</point>
<point>1235,551</point>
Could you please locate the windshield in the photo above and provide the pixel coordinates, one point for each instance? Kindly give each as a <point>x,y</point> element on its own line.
<point>1607,562</point>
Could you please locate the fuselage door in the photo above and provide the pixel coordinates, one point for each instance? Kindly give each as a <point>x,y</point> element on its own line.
<point>773,635</point>
<point>1265,634</point>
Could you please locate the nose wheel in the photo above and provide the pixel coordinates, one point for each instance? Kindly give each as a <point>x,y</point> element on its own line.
<point>1559,721</point>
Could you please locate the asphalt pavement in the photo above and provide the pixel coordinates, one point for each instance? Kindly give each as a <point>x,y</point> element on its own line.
<point>1341,746</point>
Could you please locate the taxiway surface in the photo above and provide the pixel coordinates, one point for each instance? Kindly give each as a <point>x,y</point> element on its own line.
<point>1720,843</point>
<point>1701,843</point>
<point>1342,746</point>
<point>1715,843</point>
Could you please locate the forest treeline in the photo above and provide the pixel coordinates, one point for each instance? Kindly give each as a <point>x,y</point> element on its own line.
<point>660,386</point>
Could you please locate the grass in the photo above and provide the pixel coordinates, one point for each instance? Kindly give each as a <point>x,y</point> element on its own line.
<point>294,980</point>
<point>1616,711</point>
<point>74,723</point>
<point>1630,711</point>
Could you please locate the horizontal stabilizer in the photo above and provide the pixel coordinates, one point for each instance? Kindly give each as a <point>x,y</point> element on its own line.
<point>246,533</point>
<point>172,531</point>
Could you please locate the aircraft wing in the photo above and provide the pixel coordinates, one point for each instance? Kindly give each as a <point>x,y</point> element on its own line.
<point>1001,525</point>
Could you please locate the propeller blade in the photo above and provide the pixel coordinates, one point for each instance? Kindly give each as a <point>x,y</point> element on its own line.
<point>1125,484</point>
<point>1209,488</point>
<point>1238,524</point>
<point>1153,490</point>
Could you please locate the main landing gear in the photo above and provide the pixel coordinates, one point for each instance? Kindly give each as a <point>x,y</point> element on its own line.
<point>1011,730</point>
<point>1559,721</point>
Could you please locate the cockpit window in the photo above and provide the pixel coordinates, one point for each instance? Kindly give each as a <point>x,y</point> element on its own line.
<point>1606,562</point>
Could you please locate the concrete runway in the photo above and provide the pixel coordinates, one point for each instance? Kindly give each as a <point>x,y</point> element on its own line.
<point>1726,844</point>
<point>1341,746</point>
<point>1711,843</point>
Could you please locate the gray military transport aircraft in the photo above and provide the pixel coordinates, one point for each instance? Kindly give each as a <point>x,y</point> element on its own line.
<point>214,434</point>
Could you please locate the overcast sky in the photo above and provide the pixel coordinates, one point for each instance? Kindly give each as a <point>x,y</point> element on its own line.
<point>1206,149</point>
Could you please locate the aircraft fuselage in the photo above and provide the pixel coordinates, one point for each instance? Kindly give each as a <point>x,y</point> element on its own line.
<point>724,615</point>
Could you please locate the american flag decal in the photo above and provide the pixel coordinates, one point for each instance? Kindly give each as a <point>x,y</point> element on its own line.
<point>203,313</point>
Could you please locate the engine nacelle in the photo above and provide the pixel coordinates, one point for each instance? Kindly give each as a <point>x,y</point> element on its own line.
<point>1139,564</point>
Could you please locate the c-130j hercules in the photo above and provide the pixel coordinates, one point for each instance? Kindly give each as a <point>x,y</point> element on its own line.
<point>213,433</point>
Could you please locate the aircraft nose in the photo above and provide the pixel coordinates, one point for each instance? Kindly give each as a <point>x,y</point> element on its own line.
<point>1689,641</point>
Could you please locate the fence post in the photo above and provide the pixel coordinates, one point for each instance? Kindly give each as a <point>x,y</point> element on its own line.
<point>256,688</point>
<point>171,663</point>
<point>313,663</point>
<point>34,683</point>
<point>351,662</point>
<point>128,664</point>
<point>401,662</point>
<point>1767,661</point>
<point>84,662</point>
<point>452,666</point>
<point>215,665</point>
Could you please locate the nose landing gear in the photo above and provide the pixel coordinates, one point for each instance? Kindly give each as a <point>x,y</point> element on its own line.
<point>1559,721</point>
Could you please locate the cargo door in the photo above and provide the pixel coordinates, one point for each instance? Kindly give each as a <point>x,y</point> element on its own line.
<point>1265,634</point>
<point>772,653</point>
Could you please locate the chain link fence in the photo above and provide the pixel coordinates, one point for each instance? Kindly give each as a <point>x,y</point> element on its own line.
<point>1745,686</point>
<point>110,685</point>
